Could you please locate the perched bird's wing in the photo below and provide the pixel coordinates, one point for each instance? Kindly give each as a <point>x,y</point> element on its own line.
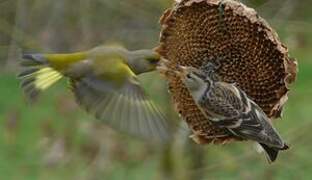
<point>221,103</point>
<point>256,126</point>
<point>125,108</point>
<point>231,109</point>
<point>252,122</point>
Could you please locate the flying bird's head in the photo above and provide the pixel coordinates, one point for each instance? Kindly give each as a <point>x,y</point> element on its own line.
<point>142,61</point>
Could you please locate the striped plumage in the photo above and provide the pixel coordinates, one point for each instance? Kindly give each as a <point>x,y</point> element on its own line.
<point>228,107</point>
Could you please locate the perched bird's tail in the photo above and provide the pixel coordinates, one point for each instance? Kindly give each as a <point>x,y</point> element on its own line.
<point>272,152</point>
<point>36,75</point>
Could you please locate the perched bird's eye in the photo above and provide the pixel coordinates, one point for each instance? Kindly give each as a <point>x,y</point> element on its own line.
<point>189,76</point>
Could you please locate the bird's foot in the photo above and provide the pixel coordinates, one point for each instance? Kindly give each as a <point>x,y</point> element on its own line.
<point>204,139</point>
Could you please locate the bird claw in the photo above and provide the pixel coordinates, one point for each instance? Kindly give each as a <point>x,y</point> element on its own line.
<point>221,8</point>
<point>203,139</point>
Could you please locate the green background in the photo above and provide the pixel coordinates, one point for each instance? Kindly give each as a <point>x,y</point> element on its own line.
<point>55,139</point>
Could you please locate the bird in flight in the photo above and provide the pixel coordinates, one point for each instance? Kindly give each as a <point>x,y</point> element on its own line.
<point>104,82</point>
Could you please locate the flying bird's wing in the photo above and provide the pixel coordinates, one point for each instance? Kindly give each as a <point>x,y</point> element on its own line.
<point>126,108</point>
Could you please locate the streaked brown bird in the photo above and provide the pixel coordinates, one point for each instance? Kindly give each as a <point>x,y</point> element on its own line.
<point>228,107</point>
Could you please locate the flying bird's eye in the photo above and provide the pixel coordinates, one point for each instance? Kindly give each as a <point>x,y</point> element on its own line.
<point>153,60</point>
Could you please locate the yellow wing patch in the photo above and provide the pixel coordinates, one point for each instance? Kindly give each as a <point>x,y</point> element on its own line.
<point>37,79</point>
<point>45,77</point>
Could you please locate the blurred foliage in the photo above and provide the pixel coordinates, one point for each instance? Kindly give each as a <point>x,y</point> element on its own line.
<point>54,139</point>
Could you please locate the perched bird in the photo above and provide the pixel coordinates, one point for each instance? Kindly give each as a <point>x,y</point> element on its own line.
<point>229,108</point>
<point>104,82</point>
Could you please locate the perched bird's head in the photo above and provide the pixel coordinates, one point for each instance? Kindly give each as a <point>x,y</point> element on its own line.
<point>142,61</point>
<point>194,79</point>
<point>191,77</point>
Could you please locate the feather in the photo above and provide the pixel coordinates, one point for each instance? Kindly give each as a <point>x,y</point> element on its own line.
<point>36,76</point>
<point>229,108</point>
<point>271,153</point>
<point>126,108</point>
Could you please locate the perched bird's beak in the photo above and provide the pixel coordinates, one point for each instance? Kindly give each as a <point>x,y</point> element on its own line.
<point>165,67</point>
<point>162,67</point>
<point>181,71</point>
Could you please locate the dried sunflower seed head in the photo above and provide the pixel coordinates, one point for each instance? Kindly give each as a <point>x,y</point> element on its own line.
<point>195,32</point>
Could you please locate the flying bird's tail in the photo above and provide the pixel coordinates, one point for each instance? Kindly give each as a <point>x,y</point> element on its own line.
<point>40,71</point>
<point>36,75</point>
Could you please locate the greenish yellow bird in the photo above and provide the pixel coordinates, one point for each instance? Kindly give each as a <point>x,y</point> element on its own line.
<point>104,82</point>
